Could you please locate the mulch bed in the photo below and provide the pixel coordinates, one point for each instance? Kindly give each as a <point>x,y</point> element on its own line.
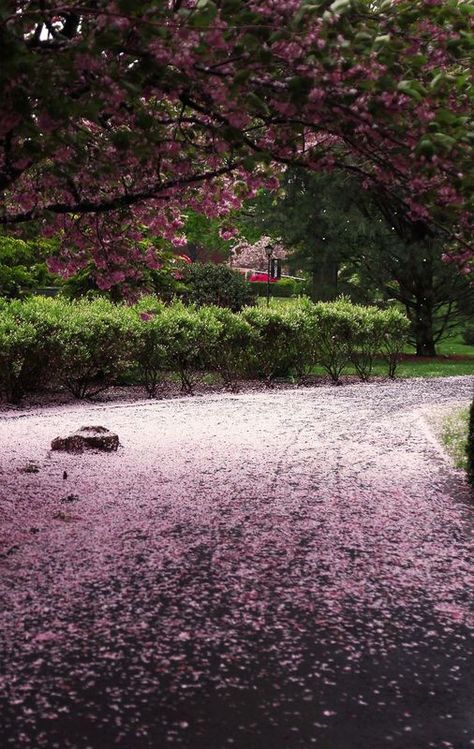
<point>168,390</point>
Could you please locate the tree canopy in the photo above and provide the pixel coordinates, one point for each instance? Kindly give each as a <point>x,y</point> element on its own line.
<point>117,116</point>
<point>350,243</point>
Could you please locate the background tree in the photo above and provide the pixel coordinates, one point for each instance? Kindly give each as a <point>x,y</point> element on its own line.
<point>351,244</point>
<point>314,217</point>
<point>252,255</point>
<point>207,239</point>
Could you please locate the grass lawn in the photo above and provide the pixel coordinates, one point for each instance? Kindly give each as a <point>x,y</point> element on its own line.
<point>454,436</point>
<point>455,346</point>
<point>438,367</point>
<point>418,367</point>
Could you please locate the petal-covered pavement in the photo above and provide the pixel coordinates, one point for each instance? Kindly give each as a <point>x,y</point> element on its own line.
<point>278,570</point>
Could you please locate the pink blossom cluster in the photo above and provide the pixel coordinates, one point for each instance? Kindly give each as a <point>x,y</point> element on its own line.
<point>197,110</point>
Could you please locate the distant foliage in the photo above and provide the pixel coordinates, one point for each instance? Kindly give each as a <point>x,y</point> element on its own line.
<point>209,284</point>
<point>468,334</point>
<point>22,266</point>
<point>284,288</point>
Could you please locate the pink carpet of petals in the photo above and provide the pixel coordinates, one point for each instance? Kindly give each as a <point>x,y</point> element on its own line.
<point>280,570</point>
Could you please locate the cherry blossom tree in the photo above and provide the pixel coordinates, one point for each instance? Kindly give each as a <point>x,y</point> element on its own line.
<point>117,116</point>
<point>254,255</point>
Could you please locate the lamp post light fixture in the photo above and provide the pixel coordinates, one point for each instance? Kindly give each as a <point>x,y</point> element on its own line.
<point>269,254</point>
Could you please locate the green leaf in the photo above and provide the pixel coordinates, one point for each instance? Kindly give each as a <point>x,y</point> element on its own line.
<point>439,77</point>
<point>339,6</point>
<point>426,148</point>
<point>257,103</point>
<point>408,87</point>
<point>446,141</point>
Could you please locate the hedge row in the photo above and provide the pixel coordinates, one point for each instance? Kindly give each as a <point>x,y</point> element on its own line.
<point>87,346</point>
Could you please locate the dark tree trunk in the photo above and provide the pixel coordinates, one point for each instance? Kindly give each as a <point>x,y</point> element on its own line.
<point>423,325</point>
<point>424,294</point>
<point>324,277</point>
<point>419,283</point>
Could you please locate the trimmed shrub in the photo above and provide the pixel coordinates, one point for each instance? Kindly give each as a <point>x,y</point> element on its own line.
<point>27,346</point>
<point>219,285</point>
<point>92,344</point>
<point>272,353</point>
<point>179,339</point>
<point>150,351</point>
<point>334,336</point>
<point>367,335</point>
<point>96,343</point>
<point>348,333</point>
<point>396,328</point>
<point>18,344</point>
<point>166,337</point>
<point>286,287</point>
<point>149,305</point>
<point>228,354</point>
<point>303,320</point>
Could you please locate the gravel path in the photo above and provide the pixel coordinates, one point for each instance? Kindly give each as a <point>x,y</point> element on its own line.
<point>274,571</point>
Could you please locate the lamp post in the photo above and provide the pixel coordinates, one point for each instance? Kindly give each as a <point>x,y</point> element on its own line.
<point>269,254</point>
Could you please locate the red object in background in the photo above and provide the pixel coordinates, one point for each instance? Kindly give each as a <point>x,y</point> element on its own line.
<point>185,258</point>
<point>259,277</point>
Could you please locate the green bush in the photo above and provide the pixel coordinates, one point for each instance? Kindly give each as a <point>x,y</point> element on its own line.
<point>28,350</point>
<point>304,324</point>
<point>272,353</point>
<point>228,354</point>
<point>179,339</point>
<point>150,352</point>
<point>349,333</point>
<point>283,289</point>
<point>18,341</point>
<point>149,304</point>
<point>92,344</point>
<point>367,335</point>
<point>286,287</point>
<point>396,328</point>
<point>334,336</point>
<point>96,341</point>
<point>219,285</point>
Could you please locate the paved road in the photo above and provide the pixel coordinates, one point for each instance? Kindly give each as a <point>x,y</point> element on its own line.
<point>279,570</point>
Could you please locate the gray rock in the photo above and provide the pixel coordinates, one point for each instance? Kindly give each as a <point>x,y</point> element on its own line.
<point>87,438</point>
